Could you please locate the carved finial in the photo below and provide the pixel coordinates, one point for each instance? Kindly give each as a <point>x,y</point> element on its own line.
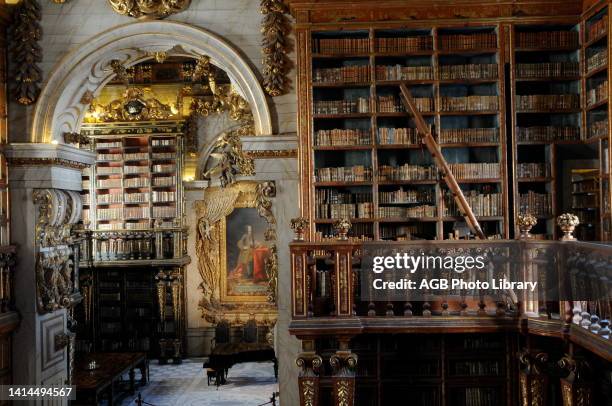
<point>568,222</point>
<point>525,223</point>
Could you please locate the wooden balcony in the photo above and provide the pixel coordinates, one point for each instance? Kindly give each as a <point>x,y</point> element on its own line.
<point>327,276</point>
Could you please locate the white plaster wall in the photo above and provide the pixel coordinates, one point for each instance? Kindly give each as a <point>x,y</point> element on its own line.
<point>67,26</point>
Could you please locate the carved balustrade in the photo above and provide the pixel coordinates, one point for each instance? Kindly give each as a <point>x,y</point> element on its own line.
<point>574,295</point>
<point>133,245</point>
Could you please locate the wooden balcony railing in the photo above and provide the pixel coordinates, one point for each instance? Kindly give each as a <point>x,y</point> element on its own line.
<point>575,294</point>
<point>133,246</point>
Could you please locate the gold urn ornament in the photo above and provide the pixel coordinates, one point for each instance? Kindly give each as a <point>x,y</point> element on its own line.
<point>342,227</point>
<point>298,225</point>
<point>568,222</point>
<point>525,223</point>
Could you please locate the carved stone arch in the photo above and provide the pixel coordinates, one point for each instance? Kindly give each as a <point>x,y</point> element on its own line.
<point>81,74</point>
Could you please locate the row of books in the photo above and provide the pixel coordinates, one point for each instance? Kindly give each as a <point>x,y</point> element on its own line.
<point>406,172</point>
<point>548,70</point>
<point>587,216</point>
<point>406,196</point>
<point>391,104</point>
<point>345,74</point>
<point>359,105</point>
<point>164,142</point>
<point>548,39</point>
<point>597,60</point>
<point>131,170</point>
<point>166,181</point>
<point>137,198</point>
<point>334,46</point>
<point>135,156</point>
<point>599,27</point>
<point>108,183</point>
<point>476,368</point>
<point>407,44</point>
<point>360,232</point>
<point>471,71</point>
<point>108,170</point>
<point>547,102</point>
<point>468,41</point>
<point>397,136</point>
<point>597,94</point>
<point>136,182</point>
<point>534,203</point>
<point>481,397</point>
<point>598,129</point>
<point>333,196</point>
<point>127,226</point>
<point>533,170</point>
<point>109,144</point>
<point>548,133</point>
<point>482,204</point>
<point>163,196</point>
<point>163,155</point>
<point>109,157</point>
<point>410,212</point>
<point>109,198</point>
<point>164,212</point>
<point>591,185</point>
<point>358,173</point>
<point>349,211</point>
<point>475,170</point>
<point>399,72</point>
<point>118,213</point>
<point>342,137</point>
<point>461,135</point>
<point>163,168</point>
<point>469,103</point>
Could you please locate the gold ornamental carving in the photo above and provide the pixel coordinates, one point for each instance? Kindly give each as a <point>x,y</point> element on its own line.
<point>272,153</point>
<point>132,106</point>
<point>211,213</point>
<point>275,29</point>
<point>149,8</point>
<point>227,160</point>
<point>58,213</point>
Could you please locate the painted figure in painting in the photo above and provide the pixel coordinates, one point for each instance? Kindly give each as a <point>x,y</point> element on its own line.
<point>247,253</point>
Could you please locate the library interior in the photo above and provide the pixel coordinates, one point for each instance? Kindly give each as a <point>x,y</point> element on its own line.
<point>192,192</point>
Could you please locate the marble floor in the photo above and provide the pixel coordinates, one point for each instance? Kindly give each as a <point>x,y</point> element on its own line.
<point>249,384</point>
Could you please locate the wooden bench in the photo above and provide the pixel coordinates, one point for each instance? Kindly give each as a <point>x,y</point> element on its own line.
<point>95,385</point>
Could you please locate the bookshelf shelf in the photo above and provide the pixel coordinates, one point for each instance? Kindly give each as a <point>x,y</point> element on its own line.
<point>596,71</point>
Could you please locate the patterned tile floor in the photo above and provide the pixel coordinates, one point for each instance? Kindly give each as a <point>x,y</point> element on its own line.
<point>249,384</point>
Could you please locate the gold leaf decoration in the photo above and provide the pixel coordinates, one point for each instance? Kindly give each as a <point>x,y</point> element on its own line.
<point>275,29</point>
<point>26,52</point>
<point>149,8</point>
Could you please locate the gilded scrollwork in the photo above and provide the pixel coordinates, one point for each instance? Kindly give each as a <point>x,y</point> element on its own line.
<point>275,28</point>
<point>132,106</point>
<point>58,213</point>
<point>149,8</point>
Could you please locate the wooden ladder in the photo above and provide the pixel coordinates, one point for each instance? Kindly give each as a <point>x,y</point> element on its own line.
<point>436,153</point>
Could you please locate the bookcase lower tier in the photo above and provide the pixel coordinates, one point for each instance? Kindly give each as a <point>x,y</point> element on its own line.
<point>124,312</point>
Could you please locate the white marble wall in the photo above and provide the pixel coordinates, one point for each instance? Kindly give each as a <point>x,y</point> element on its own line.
<point>69,25</point>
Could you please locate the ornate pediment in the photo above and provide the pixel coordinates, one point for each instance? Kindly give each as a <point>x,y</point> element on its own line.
<point>133,106</point>
<point>149,8</point>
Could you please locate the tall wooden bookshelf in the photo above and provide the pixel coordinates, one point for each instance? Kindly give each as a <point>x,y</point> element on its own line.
<point>366,160</point>
<point>547,112</point>
<point>135,183</point>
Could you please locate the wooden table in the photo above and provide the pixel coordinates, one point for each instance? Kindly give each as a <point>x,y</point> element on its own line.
<point>92,386</point>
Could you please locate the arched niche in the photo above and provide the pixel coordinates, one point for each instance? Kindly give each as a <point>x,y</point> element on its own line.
<point>82,73</point>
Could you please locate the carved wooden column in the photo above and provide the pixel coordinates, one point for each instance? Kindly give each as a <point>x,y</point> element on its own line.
<point>308,381</point>
<point>533,379</point>
<point>576,388</point>
<point>343,364</point>
<point>299,268</point>
<point>343,280</point>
